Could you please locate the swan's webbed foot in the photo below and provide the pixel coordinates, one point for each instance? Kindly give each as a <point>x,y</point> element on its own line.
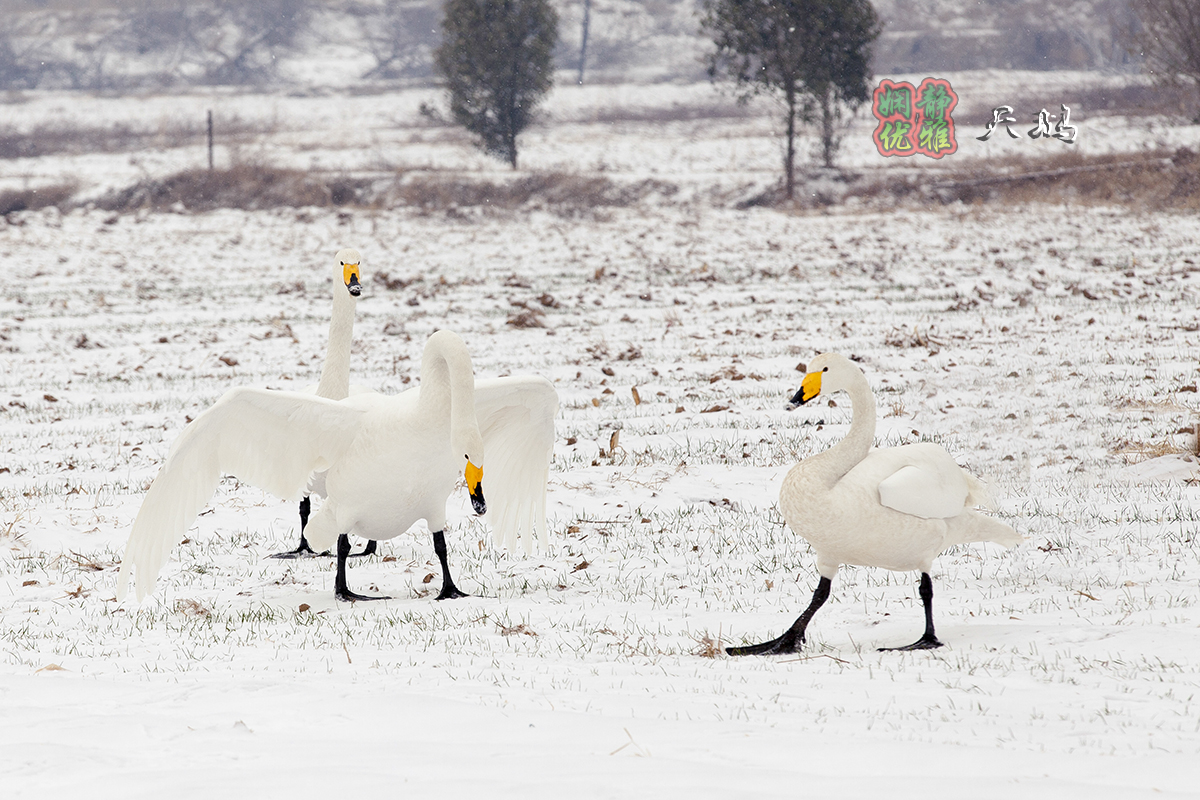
<point>347,596</point>
<point>450,592</point>
<point>926,642</point>
<point>787,643</point>
<point>793,637</point>
<point>303,550</point>
<point>369,550</point>
<point>340,590</point>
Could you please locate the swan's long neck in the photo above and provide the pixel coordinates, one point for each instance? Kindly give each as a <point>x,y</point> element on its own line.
<point>448,383</point>
<point>843,456</point>
<point>335,375</point>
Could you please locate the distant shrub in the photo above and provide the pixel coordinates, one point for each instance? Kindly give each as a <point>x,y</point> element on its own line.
<point>1161,179</point>
<point>58,195</point>
<point>550,189</point>
<point>242,186</point>
<point>496,58</point>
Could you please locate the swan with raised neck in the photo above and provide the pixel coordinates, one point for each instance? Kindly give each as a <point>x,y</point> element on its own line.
<point>893,507</point>
<point>347,287</point>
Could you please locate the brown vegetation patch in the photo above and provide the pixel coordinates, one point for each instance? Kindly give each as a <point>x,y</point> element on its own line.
<point>557,189</point>
<point>242,186</point>
<point>25,199</point>
<point>1134,451</point>
<point>50,138</point>
<point>258,187</point>
<point>1161,179</point>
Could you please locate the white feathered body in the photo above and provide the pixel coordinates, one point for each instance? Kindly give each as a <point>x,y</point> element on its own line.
<point>516,421</point>
<point>851,525</point>
<point>388,461</point>
<point>383,491</point>
<point>894,507</point>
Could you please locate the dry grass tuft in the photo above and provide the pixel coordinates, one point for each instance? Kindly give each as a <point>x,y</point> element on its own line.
<point>708,647</point>
<point>529,318</point>
<point>514,630</point>
<point>917,337</point>
<point>1133,452</point>
<point>192,608</point>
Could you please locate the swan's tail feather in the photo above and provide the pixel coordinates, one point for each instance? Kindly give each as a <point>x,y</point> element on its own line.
<point>978,493</point>
<point>971,526</point>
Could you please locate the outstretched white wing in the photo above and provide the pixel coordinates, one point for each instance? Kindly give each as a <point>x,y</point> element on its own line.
<point>272,440</point>
<point>516,420</point>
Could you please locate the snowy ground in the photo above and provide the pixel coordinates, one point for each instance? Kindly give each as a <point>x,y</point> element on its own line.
<point>1065,350</point>
<point>1052,350</point>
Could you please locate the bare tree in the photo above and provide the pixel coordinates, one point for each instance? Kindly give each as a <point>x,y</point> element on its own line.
<point>583,38</point>
<point>244,40</point>
<point>213,41</point>
<point>401,39</point>
<point>16,66</point>
<point>1170,38</point>
<point>33,53</point>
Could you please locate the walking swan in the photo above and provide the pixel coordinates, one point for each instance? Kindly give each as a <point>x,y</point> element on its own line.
<point>893,507</point>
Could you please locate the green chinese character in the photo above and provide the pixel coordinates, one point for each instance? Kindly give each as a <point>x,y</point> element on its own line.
<point>894,136</point>
<point>934,136</point>
<point>934,101</point>
<point>895,100</point>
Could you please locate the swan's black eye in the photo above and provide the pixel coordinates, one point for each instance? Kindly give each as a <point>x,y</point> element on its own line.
<point>467,457</point>
<point>825,370</point>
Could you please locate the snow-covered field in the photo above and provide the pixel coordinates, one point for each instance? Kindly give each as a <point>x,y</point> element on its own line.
<point>1052,350</point>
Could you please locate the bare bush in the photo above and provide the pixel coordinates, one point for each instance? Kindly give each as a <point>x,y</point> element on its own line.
<point>546,188</point>
<point>401,37</point>
<point>242,186</point>
<point>58,195</point>
<point>1170,39</point>
<point>1160,179</point>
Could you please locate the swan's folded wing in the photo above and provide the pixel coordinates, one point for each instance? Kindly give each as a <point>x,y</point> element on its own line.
<point>934,489</point>
<point>273,440</point>
<point>516,420</point>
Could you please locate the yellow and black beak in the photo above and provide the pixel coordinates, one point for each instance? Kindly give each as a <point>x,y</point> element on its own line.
<point>350,275</point>
<point>810,387</point>
<point>474,476</point>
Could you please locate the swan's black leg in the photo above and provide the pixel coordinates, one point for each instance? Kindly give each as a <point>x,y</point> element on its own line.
<point>928,640</point>
<point>449,590</point>
<point>303,550</point>
<point>369,550</point>
<point>793,637</point>
<point>340,590</point>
